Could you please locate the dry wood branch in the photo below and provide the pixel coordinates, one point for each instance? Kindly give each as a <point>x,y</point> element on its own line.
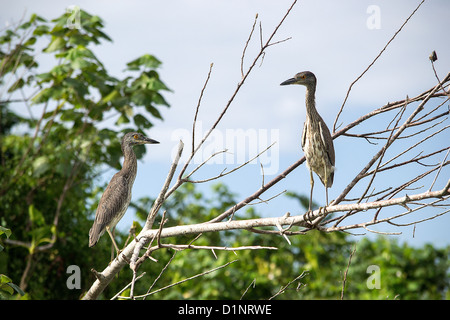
<point>284,288</point>
<point>288,220</point>
<point>246,45</point>
<point>344,280</point>
<point>198,107</point>
<point>180,247</point>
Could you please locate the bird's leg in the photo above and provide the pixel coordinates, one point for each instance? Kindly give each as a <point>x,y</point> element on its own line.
<point>326,185</point>
<point>118,251</point>
<point>311,181</point>
<point>111,235</point>
<point>307,216</point>
<point>326,189</point>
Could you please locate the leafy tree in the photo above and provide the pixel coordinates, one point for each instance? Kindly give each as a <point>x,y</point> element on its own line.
<point>49,162</point>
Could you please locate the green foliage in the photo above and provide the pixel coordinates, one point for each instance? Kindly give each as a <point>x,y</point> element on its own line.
<point>405,272</point>
<point>59,127</point>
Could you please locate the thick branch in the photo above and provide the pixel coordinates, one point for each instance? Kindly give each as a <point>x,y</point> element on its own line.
<point>291,220</point>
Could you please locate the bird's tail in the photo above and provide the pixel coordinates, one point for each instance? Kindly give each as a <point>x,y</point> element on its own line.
<point>95,234</point>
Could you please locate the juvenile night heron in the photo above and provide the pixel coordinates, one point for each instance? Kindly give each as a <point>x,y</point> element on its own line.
<point>117,196</point>
<point>317,143</point>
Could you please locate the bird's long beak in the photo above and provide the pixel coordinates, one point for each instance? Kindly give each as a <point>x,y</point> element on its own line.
<point>150,141</point>
<point>288,81</point>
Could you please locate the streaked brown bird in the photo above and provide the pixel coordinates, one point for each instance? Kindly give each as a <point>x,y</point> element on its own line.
<point>317,143</point>
<point>117,196</point>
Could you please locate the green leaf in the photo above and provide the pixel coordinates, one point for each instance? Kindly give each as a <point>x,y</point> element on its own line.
<point>41,30</point>
<point>57,43</point>
<point>128,110</point>
<point>146,61</point>
<point>7,285</point>
<point>35,17</point>
<point>159,99</point>
<point>4,279</point>
<point>7,288</point>
<point>76,86</point>
<point>40,166</point>
<point>16,288</point>
<point>142,121</point>
<point>30,41</point>
<point>142,97</point>
<point>71,115</point>
<point>111,96</point>
<point>122,119</point>
<point>153,111</point>
<point>16,85</point>
<point>5,231</point>
<point>36,217</point>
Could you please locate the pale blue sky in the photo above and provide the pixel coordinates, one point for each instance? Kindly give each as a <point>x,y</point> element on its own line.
<point>329,38</point>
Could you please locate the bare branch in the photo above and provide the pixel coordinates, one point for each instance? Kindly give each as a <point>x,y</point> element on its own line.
<point>246,45</point>
<point>198,107</point>
<point>346,271</point>
<point>283,289</point>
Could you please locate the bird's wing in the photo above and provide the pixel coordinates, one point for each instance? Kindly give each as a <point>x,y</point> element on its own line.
<point>112,201</point>
<point>327,141</point>
<point>305,128</point>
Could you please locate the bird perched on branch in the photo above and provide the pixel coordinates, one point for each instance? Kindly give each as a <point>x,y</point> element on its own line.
<point>317,143</point>
<point>117,196</point>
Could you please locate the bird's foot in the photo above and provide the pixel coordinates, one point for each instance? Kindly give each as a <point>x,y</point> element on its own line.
<point>324,209</point>
<point>308,218</point>
<point>311,221</point>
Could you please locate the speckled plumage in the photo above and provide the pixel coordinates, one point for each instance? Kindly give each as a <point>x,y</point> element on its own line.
<point>117,196</point>
<point>317,143</point>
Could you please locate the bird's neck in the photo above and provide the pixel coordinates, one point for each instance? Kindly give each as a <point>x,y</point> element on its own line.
<point>130,162</point>
<point>310,100</point>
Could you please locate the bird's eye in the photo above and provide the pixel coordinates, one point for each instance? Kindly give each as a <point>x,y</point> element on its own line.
<point>302,76</point>
<point>136,136</point>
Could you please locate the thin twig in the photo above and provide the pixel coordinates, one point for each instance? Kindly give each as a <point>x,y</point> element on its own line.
<point>198,106</point>
<point>246,45</point>
<point>283,289</point>
<point>187,279</point>
<point>440,168</point>
<point>344,280</point>
<point>372,63</point>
